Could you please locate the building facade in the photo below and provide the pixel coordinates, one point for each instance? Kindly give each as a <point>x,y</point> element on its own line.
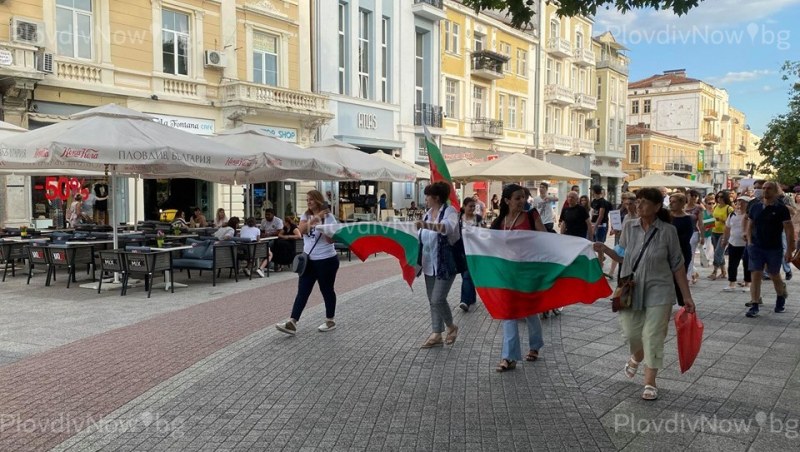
<point>609,124</point>
<point>196,65</point>
<point>649,151</point>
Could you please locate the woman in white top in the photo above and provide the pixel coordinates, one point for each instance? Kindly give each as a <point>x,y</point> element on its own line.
<point>250,230</point>
<point>438,232</point>
<point>734,238</point>
<point>221,219</point>
<point>323,263</point>
<point>228,231</point>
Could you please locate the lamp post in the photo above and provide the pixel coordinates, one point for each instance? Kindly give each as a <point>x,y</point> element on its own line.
<point>751,168</point>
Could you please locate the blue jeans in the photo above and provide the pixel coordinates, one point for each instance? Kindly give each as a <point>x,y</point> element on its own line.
<point>511,344</point>
<point>437,297</point>
<point>719,250</point>
<point>786,267</point>
<point>467,289</point>
<point>324,272</point>
<point>600,233</point>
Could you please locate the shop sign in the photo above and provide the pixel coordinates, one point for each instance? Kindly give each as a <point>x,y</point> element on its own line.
<point>701,160</point>
<point>194,126</point>
<point>63,187</point>
<point>6,58</point>
<point>281,133</point>
<point>367,121</point>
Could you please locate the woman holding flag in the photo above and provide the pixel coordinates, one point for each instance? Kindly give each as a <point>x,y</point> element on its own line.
<point>438,232</point>
<point>513,217</point>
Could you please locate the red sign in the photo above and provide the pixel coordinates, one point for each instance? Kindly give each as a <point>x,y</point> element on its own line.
<point>64,188</point>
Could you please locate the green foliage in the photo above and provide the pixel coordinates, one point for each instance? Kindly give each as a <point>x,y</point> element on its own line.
<point>780,145</point>
<point>522,16</point>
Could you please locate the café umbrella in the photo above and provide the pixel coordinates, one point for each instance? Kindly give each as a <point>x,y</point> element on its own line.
<point>514,167</point>
<point>358,165</point>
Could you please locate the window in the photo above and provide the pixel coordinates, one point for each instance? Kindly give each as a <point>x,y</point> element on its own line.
<point>620,132</point>
<point>555,31</point>
<point>573,124</point>
<point>478,43</point>
<point>343,86</point>
<point>385,61</point>
<point>635,107</point>
<point>647,105</point>
<point>501,108</point>
<point>549,74</point>
<point>579,40</point>
<point>573,79</point>
<point>599,87</point>
<point>634,155</point>
<point>422,148</point>
<point>613,90</point>
<point>581,126</point>
<point>451,30</point>
<point>451,98</point>
<point>584,86</point>
<point>363,54</point>
<point>557,74</point>
<point>512,111</point>
<point>611,134</point>
<point>265,59</point>
<point>477,102</point>
<point>522,62</point>
<point>175,42</point>
<point>548,118</point>
<point>74,28</point>
<point>557,112</point>
<point>505,49</point>
<point>523,106</point>
<point>419,63</point>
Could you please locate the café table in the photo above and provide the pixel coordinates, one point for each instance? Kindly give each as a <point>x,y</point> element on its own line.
<point>151,261</point>
<point>73,253</point>
<point>168,283</point>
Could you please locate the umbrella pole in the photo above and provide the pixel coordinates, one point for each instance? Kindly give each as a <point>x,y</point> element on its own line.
<point>113,207</point>
<point>135,203</point>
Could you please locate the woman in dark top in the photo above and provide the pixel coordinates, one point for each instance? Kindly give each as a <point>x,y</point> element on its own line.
<point>574,218</point>
<point>495,202</point>
<point>283,249</point>
<point>686,225</point>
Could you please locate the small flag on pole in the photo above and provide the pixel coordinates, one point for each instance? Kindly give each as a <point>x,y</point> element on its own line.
<point>439,171</point>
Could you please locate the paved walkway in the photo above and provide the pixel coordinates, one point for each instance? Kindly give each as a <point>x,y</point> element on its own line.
<point>205,370</point>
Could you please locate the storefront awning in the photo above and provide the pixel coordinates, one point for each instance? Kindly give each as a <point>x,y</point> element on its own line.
<point>610,172</point>
<point>372,143</point>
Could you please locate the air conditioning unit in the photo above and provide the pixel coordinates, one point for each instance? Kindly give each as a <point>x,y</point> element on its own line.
<point>593,123</point>
<point>215,58</point>
<point>44,62</point>
<point>26,31</point>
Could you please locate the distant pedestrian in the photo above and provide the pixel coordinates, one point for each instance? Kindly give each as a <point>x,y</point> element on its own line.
<point>574,219</point>
<point>721,212</point>
<point>468,218</point>
<point>480,206</point>
<point>685,225</point>
<point>734,239</point>
<point>694,207</point>
<point>543,204</point>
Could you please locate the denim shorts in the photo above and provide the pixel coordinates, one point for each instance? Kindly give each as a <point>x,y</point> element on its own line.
<point>759,257</point>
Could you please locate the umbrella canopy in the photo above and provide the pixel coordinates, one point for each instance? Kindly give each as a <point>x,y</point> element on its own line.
<point>131,141</point>
<point>7,130</point>
<point>359,165</point>
<point>663,180</point>
<point>421,171</point>
<point>458,165</point>
<point>514,167</point>
<point>278,160</point>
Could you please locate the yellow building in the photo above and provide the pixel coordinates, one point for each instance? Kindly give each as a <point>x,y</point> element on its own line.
<point>204,66</point>
<point>487,84</point>
<point>735,140</point>
<point>650,152</point>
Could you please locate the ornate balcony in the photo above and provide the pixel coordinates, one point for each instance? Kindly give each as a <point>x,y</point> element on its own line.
<point>582,146</point>
<point>710,138</point>
<point>71,71</point>
<point>585,102</point>
<point>678,167</point>
<point>614,64</point>
<point>710,114</point>
<point>557,94</point>
<point>556,142</point>
<point>427,114</point>
<point>583,56</point>
<point>742,149</point>
<point>490,129</point>
<point>429,9</point>
<point>488,65</point>
<point>559,47</point>
<point>298,104</point>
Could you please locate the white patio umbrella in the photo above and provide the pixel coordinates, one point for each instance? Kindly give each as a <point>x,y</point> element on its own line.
<point>421,171</point>
<point>663,180</point>
<point>359,165</point>
<point>7,129</point>
<point>514,167</point>
<point>279,160</point>
<point>458,165</point>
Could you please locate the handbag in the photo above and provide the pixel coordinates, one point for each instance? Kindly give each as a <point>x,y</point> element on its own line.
<point>623,294</point>
<point>300,262</point>
<point>796,259</point>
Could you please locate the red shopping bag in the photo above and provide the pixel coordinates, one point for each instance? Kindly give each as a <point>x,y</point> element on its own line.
<point>689,330</point>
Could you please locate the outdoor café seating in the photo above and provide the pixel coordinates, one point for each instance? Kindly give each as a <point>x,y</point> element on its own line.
<point>112,261</point>
<point>148,263</point>
<point>208,255</point>
<point>10,253</point>
<point>39,254</point>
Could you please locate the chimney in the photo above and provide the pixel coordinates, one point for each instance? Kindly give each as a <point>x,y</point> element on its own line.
<point>676,72</point>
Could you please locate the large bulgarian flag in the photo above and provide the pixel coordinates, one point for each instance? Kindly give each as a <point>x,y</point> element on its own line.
<point>521,273</point>
<point>369,237</point>
<point>439,171</point>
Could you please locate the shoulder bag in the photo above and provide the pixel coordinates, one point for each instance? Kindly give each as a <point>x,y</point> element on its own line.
<point>623,294</point>
<point>300,262</point>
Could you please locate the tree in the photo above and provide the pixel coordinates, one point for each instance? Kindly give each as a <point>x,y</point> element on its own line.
<point>780,145</point>
<point>522,12</point>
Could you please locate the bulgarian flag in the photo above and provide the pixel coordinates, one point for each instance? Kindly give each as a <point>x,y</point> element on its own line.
<point>521,273</point>
<point>439,171</point>
<point>369,237</point>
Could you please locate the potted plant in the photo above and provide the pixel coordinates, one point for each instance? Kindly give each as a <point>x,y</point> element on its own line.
<point>23,231</point>
<point>160,239</point>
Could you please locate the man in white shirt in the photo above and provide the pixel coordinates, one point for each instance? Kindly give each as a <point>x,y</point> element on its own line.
<point>270,225</point>
<point>480,207</point>
<point>542,204</point>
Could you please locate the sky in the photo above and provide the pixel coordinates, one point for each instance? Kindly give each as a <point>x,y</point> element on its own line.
<point>739,45</point>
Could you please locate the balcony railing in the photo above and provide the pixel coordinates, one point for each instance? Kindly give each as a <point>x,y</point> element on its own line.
<point>488,65</point>
<point>427,114</point>
<point>710,114</point>
<point>558,94</point>
<point>583,56</point>
<point>742,148</point>
<point>585,102</point>
<point>266,96</point>
<point>557,142</point>
<point>710,138</point>
<point>678,167</point>
<point>487,128</point>
<point>582,146</point>
<point>79,72</point>
<point>429,9</point>
<point>613,64</point>
<point>559,47</point>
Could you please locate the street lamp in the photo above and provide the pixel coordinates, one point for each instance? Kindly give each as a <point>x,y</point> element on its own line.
<point>751,168</point>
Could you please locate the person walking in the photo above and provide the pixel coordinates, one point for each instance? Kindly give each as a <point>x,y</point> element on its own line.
<point>321,267</point>
<point>627,210</point>
<point>650,244</point>
<point>734,239</point>
<point>513,217</point>
<point>768,220</point>
<point>574,219</point>
<point>721,211</point>
<point>468,218</point>
<point>685,225</point>
<point>438,232</point>
<point>694,207</point>
<point>542,204</point>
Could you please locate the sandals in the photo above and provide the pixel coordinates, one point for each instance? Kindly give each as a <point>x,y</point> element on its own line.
<point>506,365</point>
<point>631,367</point>
<point>650,392</point>
<point>694,277</point>
<point>533,355</point>
<point>752,303</point>
<point>433,341</point>
<point>452,333</point>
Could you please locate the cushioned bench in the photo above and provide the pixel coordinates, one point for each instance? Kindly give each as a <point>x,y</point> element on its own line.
<point>208,255</point>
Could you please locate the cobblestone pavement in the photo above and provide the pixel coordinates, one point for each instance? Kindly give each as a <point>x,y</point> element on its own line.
<point>205,370</point>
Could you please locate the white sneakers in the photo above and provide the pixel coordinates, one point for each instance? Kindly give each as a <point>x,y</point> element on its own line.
<point>260,272</point>
<point>290,326</point>
<point>327,326</point>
